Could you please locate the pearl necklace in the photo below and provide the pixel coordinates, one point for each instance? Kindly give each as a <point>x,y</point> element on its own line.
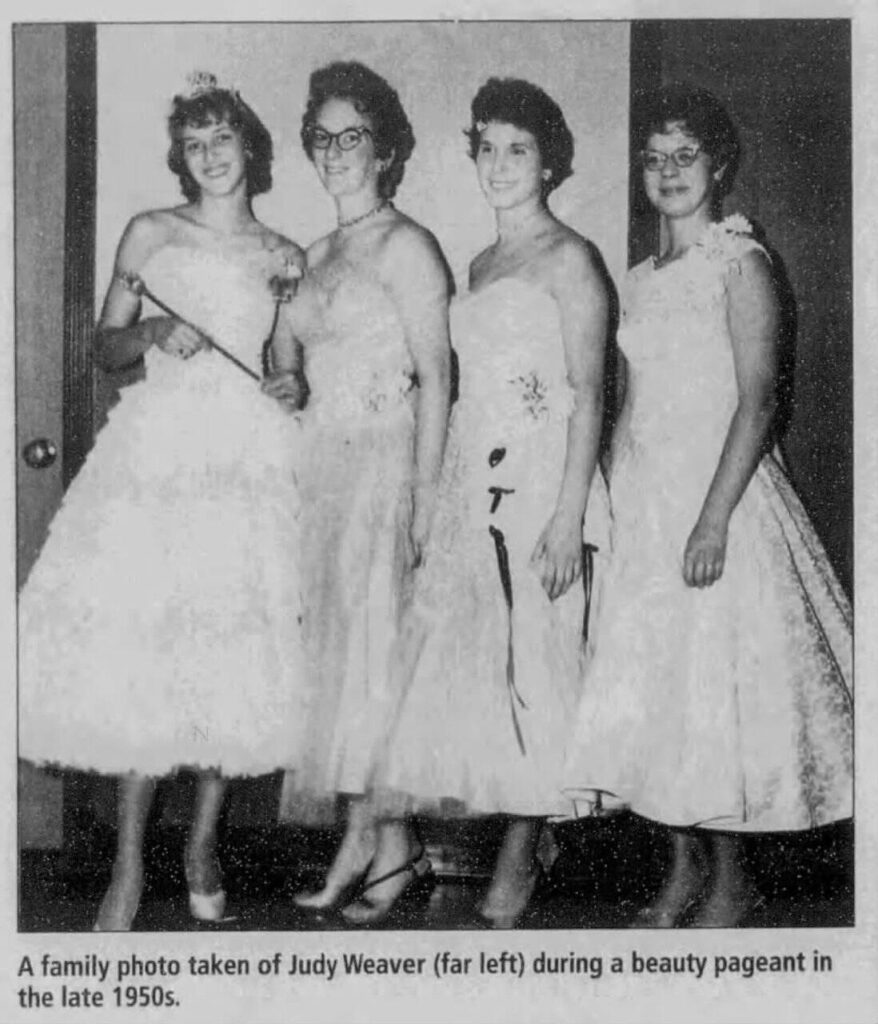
<point>383,205</point>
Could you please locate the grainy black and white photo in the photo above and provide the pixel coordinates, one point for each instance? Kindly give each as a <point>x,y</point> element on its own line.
<point>435,490</point>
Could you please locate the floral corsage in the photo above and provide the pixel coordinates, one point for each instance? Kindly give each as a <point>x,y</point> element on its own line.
<point>719,240</point>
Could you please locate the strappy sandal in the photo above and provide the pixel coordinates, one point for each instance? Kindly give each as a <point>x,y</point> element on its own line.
<point>413,896</point>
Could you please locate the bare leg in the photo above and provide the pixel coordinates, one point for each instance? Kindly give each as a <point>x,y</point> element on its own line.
<point>682,887</point>
<point>515,874</point>
<point>399,862</point>
<point>350,863</point>
<point>122,898</point>
<point>203,875</point>
<point>732,894</point>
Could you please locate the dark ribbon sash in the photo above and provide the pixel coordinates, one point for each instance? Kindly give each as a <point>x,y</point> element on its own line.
<point>506,583</point>
<point>502,552</point>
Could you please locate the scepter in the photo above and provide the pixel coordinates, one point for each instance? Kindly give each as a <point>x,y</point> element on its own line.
<point>136,284</point>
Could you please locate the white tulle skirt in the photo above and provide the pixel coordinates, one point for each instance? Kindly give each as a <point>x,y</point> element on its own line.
<point>161,624</point>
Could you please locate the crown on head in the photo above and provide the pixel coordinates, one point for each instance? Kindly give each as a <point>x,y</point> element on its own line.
<point>200,82</point>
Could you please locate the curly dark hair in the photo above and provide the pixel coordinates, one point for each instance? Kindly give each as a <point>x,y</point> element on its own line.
<point>516,102</point>
<point>216,105</point>
<point>700,114</point>
<point>372,97</point>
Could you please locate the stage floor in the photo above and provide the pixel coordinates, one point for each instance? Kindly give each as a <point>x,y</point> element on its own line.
<point>604,872</point>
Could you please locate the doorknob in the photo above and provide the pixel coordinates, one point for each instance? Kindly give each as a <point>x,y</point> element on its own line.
<point>40,453</point>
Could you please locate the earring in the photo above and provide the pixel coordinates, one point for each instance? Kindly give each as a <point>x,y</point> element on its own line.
<point>547,174</point>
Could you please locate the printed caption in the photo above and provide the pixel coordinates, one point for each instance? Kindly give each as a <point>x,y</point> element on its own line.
<point>47,981</point>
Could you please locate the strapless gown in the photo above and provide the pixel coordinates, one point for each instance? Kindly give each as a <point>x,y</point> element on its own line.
<point>160,626</point>
<point>356,487</point>
<point>492,669</point>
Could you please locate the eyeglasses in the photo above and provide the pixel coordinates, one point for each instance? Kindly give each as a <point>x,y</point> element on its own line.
<point>684,157</point>
<point>347,138</point>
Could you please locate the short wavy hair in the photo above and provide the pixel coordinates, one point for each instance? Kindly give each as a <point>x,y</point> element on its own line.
<point>516,102</point>
<point>373,97</point>
<point>209,107</point>
<point>700,114</point>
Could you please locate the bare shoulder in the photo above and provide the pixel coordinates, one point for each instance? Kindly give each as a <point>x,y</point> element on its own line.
<point>573,259</point>
<point>144,235</point>
<point>573,273</point>
<point>406,238</point>
<point>750,284</point>
<point>755,264</point>
<point>409,249</point>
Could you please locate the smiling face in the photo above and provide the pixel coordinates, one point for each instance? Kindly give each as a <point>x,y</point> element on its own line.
<point>214,156</point>
<point>345,172</point>
<point>509,166</point>
<point>679,191</point>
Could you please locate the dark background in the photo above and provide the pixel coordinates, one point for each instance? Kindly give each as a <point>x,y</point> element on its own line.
<point>787,86</point>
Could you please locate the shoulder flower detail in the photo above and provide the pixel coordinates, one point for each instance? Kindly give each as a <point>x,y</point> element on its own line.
<point>720,240</point>
<point>737,224</point>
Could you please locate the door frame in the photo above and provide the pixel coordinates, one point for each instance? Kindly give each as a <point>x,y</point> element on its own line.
<point>45,817</point>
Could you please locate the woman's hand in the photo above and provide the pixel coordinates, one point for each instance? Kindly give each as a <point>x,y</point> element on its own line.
<point>557,556</point>
<point>180,340</point>
<point>705,554</point>
<point>287,387</point>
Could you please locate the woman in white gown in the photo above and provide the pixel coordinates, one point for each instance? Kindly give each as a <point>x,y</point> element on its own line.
<point>494,646</point>
<point>720,696</point>
<point>372,317</point>
<point>159,627</point>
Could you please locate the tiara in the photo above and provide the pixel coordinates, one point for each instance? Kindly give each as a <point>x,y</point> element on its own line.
<point>200,82</point>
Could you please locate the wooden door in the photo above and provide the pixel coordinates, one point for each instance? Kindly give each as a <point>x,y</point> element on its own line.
<point>54,312</point>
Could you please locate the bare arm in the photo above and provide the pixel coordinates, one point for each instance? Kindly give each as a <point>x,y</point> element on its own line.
<point>416,275</point>
<point>121,337</point>
<point>753,324</point>
<point>583,303</point>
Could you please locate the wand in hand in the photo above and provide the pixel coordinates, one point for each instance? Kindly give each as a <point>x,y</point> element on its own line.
<point>137,285</point>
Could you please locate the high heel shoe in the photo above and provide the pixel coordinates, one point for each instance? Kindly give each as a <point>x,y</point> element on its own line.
<point>205,906</point>
<point>208,906</point>
<point>412,898</point>
<point>314,903</point>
